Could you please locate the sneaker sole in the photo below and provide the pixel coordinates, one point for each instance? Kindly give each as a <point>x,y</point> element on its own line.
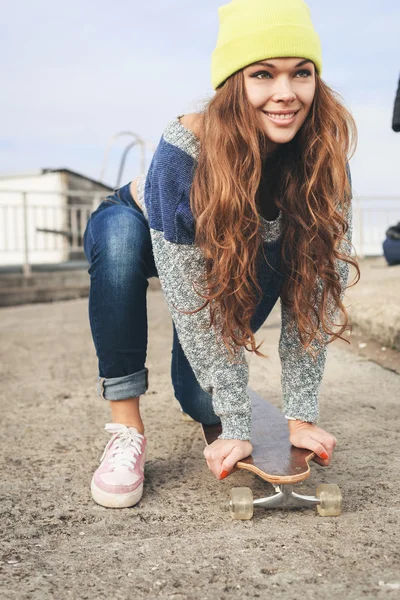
<point>109,500</point>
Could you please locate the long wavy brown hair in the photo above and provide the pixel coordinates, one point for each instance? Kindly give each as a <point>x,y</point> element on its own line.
<point>312,191</point>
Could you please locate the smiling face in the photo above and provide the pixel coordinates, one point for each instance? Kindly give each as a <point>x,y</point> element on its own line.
<point>282,91</point>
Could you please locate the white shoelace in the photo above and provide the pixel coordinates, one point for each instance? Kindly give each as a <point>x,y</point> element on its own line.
<point>126,449</point>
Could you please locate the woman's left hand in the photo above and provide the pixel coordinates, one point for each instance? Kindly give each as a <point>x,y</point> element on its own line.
<point>309,436</point>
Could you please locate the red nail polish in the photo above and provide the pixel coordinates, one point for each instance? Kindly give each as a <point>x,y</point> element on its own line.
<point>224,474</point>
<point>324,455</point>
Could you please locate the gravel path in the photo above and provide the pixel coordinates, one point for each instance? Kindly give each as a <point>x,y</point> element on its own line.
<point>179,542</point>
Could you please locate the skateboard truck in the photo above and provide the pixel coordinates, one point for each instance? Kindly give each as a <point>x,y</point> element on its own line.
<point>328,500</point>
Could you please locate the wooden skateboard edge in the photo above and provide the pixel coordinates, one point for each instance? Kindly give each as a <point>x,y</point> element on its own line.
<point>277,479</point>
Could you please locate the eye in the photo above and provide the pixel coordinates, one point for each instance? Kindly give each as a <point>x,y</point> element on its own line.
<point>306,71</point>
<point>304,74</point>
<point>261,73</point>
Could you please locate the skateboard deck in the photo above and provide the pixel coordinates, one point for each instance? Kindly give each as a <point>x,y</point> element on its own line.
<point>274,459</point>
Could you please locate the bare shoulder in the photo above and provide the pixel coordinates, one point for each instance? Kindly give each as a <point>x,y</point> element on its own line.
<point>193,122</point>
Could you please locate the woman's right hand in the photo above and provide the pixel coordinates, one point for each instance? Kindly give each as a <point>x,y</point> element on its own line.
<point>222,455</point>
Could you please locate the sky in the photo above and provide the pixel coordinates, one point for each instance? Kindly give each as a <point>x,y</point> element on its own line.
<point>75,73</point>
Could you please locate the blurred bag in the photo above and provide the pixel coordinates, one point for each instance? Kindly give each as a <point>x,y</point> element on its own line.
<point>391,246</point>
<point>394,232</point>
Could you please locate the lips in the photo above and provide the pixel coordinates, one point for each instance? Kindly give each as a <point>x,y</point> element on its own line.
<point>284,115</point>
<point>283,119</point>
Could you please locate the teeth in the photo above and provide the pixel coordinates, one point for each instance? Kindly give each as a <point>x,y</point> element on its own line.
<point>281,117</point>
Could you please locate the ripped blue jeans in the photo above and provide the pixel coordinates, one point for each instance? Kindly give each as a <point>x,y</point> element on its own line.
<point>118,247</point>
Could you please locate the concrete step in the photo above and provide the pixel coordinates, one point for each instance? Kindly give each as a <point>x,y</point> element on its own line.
<point>30,295</point>
<point>15,289</point>
<point>61,278</point>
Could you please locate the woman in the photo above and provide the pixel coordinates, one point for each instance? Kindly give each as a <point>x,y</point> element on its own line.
<point>245,202</point>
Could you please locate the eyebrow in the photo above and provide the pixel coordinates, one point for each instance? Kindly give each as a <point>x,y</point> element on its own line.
<point>271,66</point>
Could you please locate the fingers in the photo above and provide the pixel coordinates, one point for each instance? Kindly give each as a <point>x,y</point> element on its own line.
<point>220,465</point>
<point>321,443</point>
<point>323,450</point>
<point>222,455</point>
<point>215,467</point>
<point>319,449</point>
<point>232,458</point>
<point>214,460</point>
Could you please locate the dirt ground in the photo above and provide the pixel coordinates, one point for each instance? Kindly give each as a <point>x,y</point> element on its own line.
<point>179,542</point>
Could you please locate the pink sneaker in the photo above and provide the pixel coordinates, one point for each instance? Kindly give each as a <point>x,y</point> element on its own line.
<point>118,481</point>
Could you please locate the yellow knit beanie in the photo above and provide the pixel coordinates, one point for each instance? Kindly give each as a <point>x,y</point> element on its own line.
<point>252,30</point>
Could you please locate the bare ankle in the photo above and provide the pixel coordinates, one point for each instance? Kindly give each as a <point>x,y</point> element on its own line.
<point>127,413</point>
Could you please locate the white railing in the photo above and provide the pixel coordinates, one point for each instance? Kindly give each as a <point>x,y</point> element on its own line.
<point>43,226</point>
<point>372,216</point>
<point>51,229</point>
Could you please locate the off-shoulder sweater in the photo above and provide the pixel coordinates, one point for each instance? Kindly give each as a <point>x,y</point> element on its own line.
<point>163,194</point>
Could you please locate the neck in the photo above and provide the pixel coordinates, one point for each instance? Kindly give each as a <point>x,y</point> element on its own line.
<point>272,148</point>
<point>272,157</point>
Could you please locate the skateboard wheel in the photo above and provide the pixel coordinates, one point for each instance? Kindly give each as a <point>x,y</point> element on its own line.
<point>241,503</point>
<point>331,500</point>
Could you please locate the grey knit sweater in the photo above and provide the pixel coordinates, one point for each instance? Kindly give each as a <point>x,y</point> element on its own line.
<point>163,197</point>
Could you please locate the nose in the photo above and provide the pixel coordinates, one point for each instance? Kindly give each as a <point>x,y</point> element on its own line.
<point>283,91</point>
<point>285,97</point>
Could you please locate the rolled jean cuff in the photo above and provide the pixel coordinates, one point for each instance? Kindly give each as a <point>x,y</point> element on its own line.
<point>121,388</point>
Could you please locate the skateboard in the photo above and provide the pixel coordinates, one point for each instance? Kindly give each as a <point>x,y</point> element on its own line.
<point>275,460</point>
